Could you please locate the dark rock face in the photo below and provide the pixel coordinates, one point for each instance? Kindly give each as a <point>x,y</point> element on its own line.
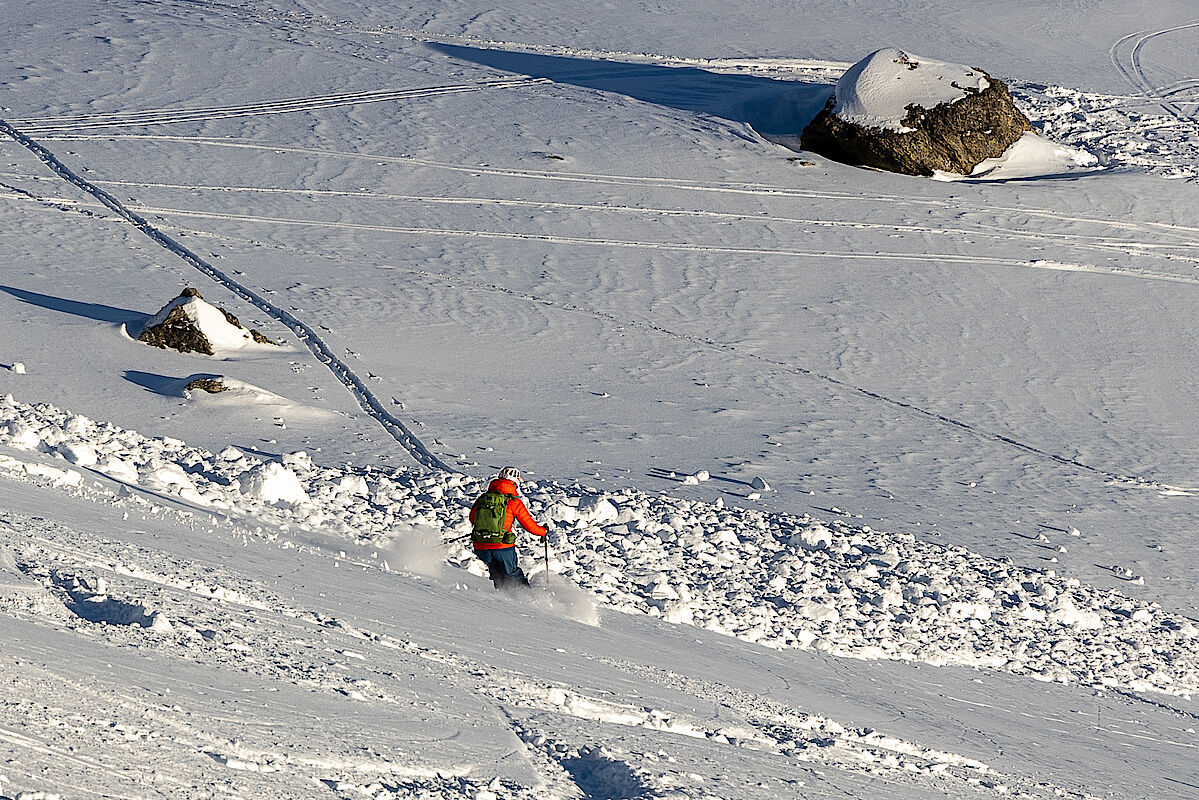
<point>210,385</point>
<point>952,137</point>
<point>177,331</point>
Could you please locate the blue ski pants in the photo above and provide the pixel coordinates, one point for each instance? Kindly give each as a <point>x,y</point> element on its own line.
<point>504,571</point>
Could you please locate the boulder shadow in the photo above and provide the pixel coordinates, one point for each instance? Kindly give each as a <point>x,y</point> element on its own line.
<point>162,384</point>
<point>772,107</point>
<point>96,311</point>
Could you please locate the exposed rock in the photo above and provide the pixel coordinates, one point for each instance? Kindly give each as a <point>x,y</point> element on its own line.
<point>210,385</point>
<point>903,113</point>
<point>187,324</point>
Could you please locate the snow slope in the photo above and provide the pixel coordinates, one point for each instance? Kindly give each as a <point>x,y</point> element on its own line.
<point>881,486</point>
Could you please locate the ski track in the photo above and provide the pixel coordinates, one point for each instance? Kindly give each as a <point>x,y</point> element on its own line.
<point>1130,66</point>
<point>843,255</point>
<point>1011,441</point>
<point>36,126</point>
<point>843,385</point>
<point>423,456</point>
<point>733,349</point>
<point>307,22</point>
<point>653,182</point>
<point>1094,242</point>
<point>323,353</point>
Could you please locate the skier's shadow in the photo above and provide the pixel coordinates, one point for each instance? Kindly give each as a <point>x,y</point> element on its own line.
<point>773,108</point>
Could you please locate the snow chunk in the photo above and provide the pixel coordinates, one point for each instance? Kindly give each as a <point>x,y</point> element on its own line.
<point>1065,612</point>
<point>355,485</point>
<point>814,537</point>
<point>118,468</point>
<point>876,92</point>
<point>80,453</point>
<point>230,453</point>
<point>168,477</point>
<point>59,477</point>
<point>22,436</point>
<point>597,510</point>
<point>273,483</point>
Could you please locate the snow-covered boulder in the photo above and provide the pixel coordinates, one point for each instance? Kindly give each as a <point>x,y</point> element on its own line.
<point>189,324</point>
<point>204,383</point>
<point>905,113</point>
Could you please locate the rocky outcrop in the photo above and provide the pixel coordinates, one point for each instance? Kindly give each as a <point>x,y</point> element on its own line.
<point>188,324</point>
<point>950,119</point>
<point>205,383</point>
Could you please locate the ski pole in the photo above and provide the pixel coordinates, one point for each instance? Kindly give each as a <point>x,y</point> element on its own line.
<point>546,541</point>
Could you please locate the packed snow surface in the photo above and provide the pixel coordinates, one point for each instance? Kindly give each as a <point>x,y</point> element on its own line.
<point>877,91</point>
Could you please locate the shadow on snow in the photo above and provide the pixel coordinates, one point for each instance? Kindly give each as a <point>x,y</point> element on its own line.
<point>95,311</point>
<point>772,107</point>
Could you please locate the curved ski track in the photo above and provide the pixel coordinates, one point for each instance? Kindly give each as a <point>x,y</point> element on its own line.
<point>1129,65</point>
<point>323,353</point>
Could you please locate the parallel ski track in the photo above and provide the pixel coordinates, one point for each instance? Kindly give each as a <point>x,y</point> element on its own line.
<point>38,126</point>
<point>759,190</point>
<point>1127,59</point>
<point>323,353</point>
<point>687,247</point>
<point>1104,244</point>
<point>649,182</point>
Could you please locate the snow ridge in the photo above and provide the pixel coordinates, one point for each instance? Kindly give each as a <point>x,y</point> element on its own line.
<point>779,580</point>
<point>370,404</point>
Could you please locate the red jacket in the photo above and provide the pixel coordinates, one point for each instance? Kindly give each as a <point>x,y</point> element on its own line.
<point>515,511</point>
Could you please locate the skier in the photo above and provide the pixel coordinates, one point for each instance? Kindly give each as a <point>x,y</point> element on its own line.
<point>491,518</point>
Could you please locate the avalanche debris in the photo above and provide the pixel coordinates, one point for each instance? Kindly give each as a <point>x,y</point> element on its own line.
<point>778,580</point>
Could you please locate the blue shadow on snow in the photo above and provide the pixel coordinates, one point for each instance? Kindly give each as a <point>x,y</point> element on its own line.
<point>78,308</point>
<point>160,384</point>
<point>771,107</point>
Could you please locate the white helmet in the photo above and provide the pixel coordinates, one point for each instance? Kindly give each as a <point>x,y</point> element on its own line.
<point>511,474</point>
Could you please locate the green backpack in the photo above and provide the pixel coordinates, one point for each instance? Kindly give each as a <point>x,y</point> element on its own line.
<point>491,511</point>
